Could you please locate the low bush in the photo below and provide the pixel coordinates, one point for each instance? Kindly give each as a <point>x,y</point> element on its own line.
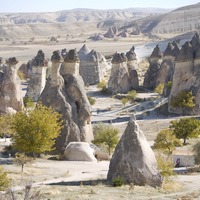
<point>118,181</point>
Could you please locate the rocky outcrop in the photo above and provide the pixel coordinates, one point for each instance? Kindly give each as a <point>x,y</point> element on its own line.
<point>11,99</point>
<point>187,76</point>
<point>155,61</point>
<point>134,160</point>
<point>38,76</point>
<point>112,32</point>
<point>92,65</point>
<point>67,96</point>
<point>124,75</point>
<point>124,34</point>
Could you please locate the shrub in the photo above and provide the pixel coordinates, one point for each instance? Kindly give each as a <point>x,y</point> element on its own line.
<point>118,181</point>
<point>102,84</point>
<point>4,180</point>
<point>131,95</point>
<point>169,85</point>
<point>159,88</point>
<point>28,102</point>
<point>184,99</point>
<point>21,75</point>
<point>91,100</point>
<point>124,101</point>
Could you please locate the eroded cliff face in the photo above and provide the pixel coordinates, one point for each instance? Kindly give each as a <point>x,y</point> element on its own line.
<point>11,99</point>
<point>67,96</point>
<point>187,76</point>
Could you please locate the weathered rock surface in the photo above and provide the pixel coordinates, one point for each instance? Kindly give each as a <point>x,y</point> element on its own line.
<point>155,61</point>
<point>134,160</point>
<point>92,65</point>
<point>68,97</point>
<point>187,76</point>
<point>124,75</point>
<point>79,151</point>
<point>38,76</point>
<point>11,99</point>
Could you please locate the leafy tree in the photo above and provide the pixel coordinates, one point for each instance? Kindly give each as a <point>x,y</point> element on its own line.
<point>106,134</point>
<point>159,88</point>
<point>166,141</point>
<point>21,159</point>
<point>36,130</point>
<point>185,128</point>
<point>6,125</point>
<point>91,100</point>
<point>124,101</point>
<point>131,95</point>
<point>184,99</point>
<point>4,180</point>
<point>196,149</point>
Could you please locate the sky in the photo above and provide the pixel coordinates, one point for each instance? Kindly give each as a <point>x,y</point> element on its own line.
<point>57,5</point>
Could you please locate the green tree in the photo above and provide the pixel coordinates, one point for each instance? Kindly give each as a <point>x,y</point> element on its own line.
<point>159,88</point>
<point>4,180</point>
<point>36,130</point>
<point>21,159</point>
<point>196,149</point>
<point>166,141</point>
<point>106,134</point>
<point>184,99</point>
<point>6,125</point>
<point>131,95</point>
<point>185,128</point>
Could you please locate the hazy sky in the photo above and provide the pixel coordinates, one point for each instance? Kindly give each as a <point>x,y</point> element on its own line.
<point>56,5</point>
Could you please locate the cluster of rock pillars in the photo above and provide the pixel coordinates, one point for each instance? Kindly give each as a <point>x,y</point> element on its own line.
<point>62,88</point>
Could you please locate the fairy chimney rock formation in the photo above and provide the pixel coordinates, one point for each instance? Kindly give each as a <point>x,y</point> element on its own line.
<point>119,78</point>
<point>132,65</point>
<point>112,32</point>
<point>154,66</point>
<point>187,76</point>
<point>11,99</point>
<point>66,96</point>
<point>92,65</point>
<point>74,87</point>
<point>124,75</point>
<point>38,76</point>
<point>134,160</point>
<point>166,71</point>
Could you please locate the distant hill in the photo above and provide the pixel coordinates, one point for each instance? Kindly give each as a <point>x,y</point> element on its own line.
<point>178,21</point>
<point>16,25</point>
<point>151,21</point>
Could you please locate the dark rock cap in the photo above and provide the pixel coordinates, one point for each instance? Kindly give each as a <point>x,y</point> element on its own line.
<point>186,52</point>
<point>169,50</point>
<point>56,56</point>
<point>39,59</point>
<point>71,56</point>
<point>119,58</point>
<point>131,55</point>
<point>195,42</point>
<point>176,49</point>
<point>63,52</point>
<point>157,53</point>
<point>12,61</point>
